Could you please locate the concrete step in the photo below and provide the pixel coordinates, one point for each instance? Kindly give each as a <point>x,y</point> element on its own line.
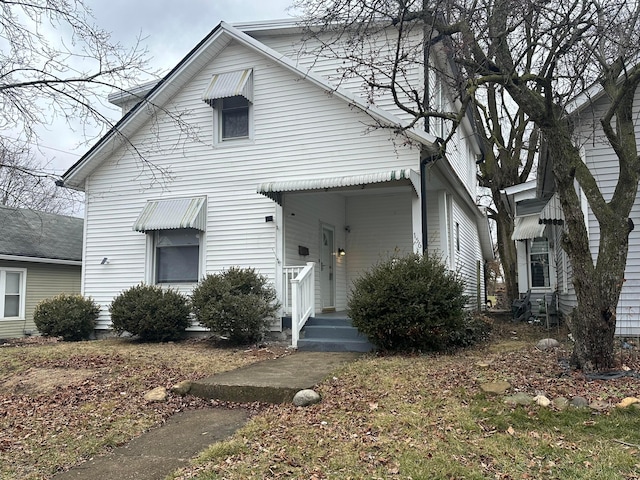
<point>326,321</point>
<point>333,345</point>
<point>340,332</point>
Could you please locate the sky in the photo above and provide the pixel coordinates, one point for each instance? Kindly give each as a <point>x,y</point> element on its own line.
<point>170,29</point>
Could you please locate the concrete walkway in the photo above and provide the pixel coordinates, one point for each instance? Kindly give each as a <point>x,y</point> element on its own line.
<point>160,451</point>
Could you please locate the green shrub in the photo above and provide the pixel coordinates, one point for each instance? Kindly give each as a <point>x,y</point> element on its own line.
<point>411,303</point>
<point>151,312</point>
<point>72,317</point>
<point>475,329</point>
<point>238,304</point>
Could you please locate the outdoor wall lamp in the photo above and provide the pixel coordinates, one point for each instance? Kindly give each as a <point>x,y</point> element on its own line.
<point>341,252</point>
<point>104,261</point>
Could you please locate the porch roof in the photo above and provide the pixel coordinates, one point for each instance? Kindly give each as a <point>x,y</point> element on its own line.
<point>274,189</point>
<point>527,227</point>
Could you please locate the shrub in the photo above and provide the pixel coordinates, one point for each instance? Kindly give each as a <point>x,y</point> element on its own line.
<point>476,328</point>
<point>411,303</point>
<point>151,312</point>
<point>72,317</point>
<point>238,304</point>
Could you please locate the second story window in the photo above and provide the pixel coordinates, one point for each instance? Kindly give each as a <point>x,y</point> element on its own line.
<point>231,96</point>
<point>234,117</point>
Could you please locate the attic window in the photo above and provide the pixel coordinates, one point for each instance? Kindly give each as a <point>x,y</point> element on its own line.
<point>231,95</point>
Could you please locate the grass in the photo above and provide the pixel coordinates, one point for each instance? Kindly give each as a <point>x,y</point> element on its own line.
<point>425,417</point>
<point>393,417</point>
<point>61,403</point>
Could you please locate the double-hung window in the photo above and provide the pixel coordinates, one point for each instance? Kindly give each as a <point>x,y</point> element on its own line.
<point>233,117</point>
<point>12,295</point>
<point>175,229</point>
<point>177,256</point>
<point>231,96</point>
<point>539,262</point>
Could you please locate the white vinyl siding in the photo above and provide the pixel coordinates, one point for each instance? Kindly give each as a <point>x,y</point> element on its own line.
<point>603,163</point>
<point>379,228</point>
<point>300,132</point>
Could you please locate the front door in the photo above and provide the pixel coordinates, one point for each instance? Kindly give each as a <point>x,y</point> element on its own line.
<point>327,267</point>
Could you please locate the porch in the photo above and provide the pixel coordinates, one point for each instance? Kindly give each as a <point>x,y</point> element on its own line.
<point>330,331</point>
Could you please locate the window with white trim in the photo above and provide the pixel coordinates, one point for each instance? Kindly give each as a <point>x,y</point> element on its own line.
<point>177,255</point>
<point>539,263</point>
<point>234,116</point>
<point>12,293</point>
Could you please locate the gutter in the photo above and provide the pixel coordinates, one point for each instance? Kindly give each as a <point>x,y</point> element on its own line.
<point>57,261</point>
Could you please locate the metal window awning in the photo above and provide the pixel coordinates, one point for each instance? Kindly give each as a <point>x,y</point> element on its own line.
<point>171,214</point>
<point>231,84</point>
<point>552,213</point>
<point>527,227</point>
<point>275,188</point>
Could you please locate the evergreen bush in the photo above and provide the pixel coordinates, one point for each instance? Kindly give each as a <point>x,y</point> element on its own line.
<point>410,303</point>
<point>238,304</point>
<point>152,313</point>
<point>72,317</point>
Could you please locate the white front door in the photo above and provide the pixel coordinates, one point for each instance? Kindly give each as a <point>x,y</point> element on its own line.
<point>327,267</point>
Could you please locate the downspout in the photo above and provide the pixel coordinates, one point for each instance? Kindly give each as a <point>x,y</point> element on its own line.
<point>424,162</point>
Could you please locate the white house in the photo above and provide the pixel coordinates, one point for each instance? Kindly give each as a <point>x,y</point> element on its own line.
<point>602,161</point>
<point>246,155</point>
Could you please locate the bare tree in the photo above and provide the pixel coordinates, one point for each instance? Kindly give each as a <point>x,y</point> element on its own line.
<point>542,54</point>
<point>55,63</point>
<point>388,67</point>
<point>25,183</point>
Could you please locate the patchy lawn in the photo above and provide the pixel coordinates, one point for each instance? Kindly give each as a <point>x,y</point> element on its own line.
<point>425,417</point>
<point>62,403</point>
<point>404,417</point>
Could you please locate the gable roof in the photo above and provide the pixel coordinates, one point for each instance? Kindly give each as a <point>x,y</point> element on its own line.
<point>192,63</point>
<point>39,236</point>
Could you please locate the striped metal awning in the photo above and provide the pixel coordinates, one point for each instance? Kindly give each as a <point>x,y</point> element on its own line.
<point>230,84</point>
<point>172,213</point>
<point>275,188</point>
<point>552,212</point>
<point>527,227</point>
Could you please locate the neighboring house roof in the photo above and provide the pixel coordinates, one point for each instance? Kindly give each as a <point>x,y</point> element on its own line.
<point>203,53</point>
<point>30,235</point>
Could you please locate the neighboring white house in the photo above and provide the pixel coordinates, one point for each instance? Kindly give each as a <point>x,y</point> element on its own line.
<point>602,161</point>
<point>252,158</point>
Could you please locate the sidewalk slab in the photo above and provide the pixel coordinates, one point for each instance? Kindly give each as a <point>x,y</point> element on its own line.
<point>272,381</point>
<point>164,449</point>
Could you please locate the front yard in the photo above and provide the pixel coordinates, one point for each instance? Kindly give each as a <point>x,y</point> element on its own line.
<point>62,403</point>
<point>404,417</point>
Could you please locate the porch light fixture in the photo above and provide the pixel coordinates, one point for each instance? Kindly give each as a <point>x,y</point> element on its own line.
<point>341,252</point>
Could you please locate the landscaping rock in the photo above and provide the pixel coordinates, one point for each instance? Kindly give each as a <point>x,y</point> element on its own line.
<point>599,406</point>
<point>483,364</point>
<point>579,402</point>
<point>626,402</point>
<point>542,400</point>
<point>158,394</point>
<point>305,398</point>
<point>561,403</point>
<point>519,399</point>
<point>497,388</point>
<point>547,344</point>
<point>181,388</point>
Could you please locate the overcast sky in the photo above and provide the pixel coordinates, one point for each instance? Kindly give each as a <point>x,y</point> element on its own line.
<point>171,28</point>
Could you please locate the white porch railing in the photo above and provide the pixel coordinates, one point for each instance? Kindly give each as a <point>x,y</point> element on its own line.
<point>303,297</point>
